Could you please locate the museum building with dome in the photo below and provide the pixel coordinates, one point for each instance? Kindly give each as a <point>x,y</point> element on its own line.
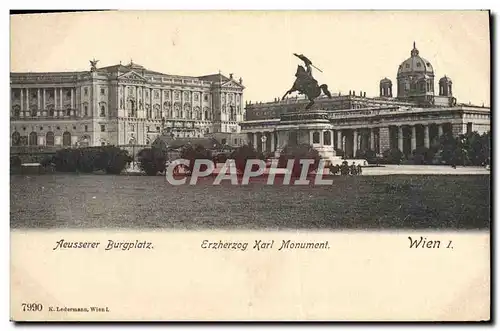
<point>413,115</point>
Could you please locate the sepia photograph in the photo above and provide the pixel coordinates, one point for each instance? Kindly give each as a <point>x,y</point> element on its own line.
<point>241,131</point>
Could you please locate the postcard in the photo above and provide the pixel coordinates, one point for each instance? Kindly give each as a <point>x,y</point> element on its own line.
<point>250,166</point>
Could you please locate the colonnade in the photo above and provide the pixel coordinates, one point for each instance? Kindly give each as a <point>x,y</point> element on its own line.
<point>351,140</point>
<point>34,102</point>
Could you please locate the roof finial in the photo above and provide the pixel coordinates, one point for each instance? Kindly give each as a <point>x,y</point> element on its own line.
<point>414,51</point>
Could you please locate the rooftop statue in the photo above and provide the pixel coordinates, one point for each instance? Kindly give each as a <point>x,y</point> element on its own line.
<point>305,82</point>
<point>93,65</point>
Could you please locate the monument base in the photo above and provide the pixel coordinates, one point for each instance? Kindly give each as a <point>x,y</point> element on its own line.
<point>308,127</point>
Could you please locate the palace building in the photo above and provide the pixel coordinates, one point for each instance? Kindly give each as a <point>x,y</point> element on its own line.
<point>121,105</point>
<point>415,116</point>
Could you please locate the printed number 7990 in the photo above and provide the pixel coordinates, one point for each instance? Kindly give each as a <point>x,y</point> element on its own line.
<point>32,306</point>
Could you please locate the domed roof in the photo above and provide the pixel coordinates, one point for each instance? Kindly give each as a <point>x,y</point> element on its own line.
<point>385,80</point>
<point>415,64</point>
<point>445,79</point>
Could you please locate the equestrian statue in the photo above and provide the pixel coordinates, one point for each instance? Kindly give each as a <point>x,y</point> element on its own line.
<point>306,84</point>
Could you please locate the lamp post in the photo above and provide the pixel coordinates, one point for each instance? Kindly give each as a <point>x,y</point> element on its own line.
<point>133,152</point>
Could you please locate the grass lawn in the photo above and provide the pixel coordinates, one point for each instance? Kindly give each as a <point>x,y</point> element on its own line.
<point>361,202</point>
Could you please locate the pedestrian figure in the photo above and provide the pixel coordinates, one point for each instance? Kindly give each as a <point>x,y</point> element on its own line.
<point>353,169</point>
<point>359,170</point>
<point>344,169</point>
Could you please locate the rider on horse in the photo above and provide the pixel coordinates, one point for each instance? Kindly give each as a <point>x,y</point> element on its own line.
<point>305,76</point>
<point>306,84</point>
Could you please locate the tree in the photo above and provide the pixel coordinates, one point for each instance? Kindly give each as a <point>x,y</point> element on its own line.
<point>15,162</point>
<point>118,159</point>
<point>466,149</point>
<point>367,154</point>
<point>152,160</point>
<point>197,152</point>
<point>423,155</point>
<point>392,156</point>
<point>244,153</point>
<point>297,153</point>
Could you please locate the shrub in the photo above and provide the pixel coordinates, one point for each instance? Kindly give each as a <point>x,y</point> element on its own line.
<point>108,158</point>
<point>367,155</point>
<point>297,153</point>
<point>220,158</point>
<point>15,161</point>
<point>67,160</point>
<point>196,153</point>
<point>47,161</point>
<point>392,156</point>
<point>423,155</point>
<point>244,153</point>
<point>117,160</point>
<point>152,160</point>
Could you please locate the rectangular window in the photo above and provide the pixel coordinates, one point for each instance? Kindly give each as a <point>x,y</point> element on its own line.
<point>103,92</point>
<point>85,91</point>
<point>235,141</point>
<point>469,127</point>
<point>103,128</point>
<point>86,128</point>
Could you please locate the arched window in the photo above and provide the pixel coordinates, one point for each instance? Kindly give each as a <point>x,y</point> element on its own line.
<point>16,139</point>
<point>33,139</point>
<point>103,111</point>
<point>327,138</point>
<point>66,139</point>
<point>49,138</point>
<point>316,137</point>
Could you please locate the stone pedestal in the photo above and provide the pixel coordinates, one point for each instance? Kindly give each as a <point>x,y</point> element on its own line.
<point>307,127</point>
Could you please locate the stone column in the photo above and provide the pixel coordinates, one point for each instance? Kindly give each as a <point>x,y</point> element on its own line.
<point>413,138</point>
<point>273,147</point>
<point>56,111</point>
<point>426,136</point>
<point>44,103</point>
<point>22,101</point>
<point>255,140</point>
<point>332,140</point>
<point>264,143</point>
<point>339,139</point>
<point>354,143</point>
<point>27,109</point>
<point>38,102</point>
<point>322,137</point>
<point>372,139</point>
<point>400,138</point>
<point>384,139</point>
<point>61,100</point>
<point>72,102</point>
<point>440,130</point>
<point>162,100</point>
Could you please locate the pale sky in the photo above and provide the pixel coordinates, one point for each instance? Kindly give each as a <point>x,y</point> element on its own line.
<point>354,49</point>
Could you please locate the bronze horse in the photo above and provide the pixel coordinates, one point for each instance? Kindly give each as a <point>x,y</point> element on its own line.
<point>306,84</point>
